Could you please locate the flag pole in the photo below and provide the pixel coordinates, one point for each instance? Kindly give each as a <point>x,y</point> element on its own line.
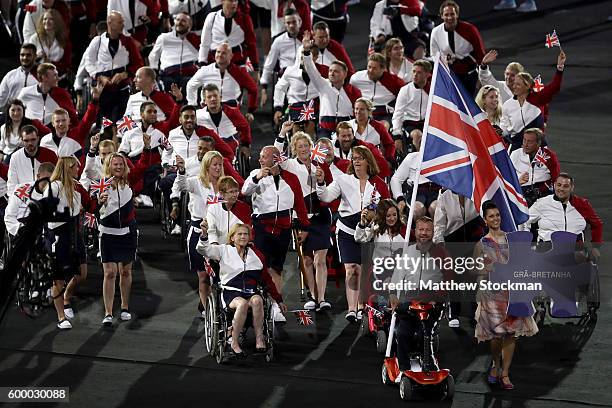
<point>415,181</point>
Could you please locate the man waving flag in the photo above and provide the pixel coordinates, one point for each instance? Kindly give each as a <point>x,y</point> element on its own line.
<point>461,150</point>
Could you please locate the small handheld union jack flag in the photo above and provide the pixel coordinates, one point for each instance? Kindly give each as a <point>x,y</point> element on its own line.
<point>249,65</point>
<point>319,153</point>
<point>552,40</point>
<point>106,122</point>
<point>100,186</point>
<point>307,112</point>
<point>214,199</point>
<point>375,312</point>
<point>374,199</point>
<point>23,192</point>
<point>303,317</point>
<point>90,220</point>
<point>280,158</point>
<point>125,123</point>
<point>541,157</point>
<point>537,84</point>
<point>165,143</point>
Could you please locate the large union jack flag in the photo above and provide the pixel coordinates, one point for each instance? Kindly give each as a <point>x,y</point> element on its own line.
<point>463,152</point>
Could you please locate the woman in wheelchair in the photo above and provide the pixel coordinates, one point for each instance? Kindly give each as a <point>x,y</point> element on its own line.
<point>242,268</point>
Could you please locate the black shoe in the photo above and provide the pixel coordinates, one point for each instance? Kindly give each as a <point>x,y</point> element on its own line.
<point>261,350</point>
<point>200,307</point>
<point>240,356</point>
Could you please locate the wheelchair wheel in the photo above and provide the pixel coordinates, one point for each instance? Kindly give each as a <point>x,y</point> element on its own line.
<point>185,221</point>
<point>381,342</point>
<point>221,336</point>
<point>157,203</point>
<point>211,324</point>
<point>5,249</point>
<point>405,389</point>
<point>386,380</point>
<point>448,388</point>
<point>593,297</point>
<point>270,352</point>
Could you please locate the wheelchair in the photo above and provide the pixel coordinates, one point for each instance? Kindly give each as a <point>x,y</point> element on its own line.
<point>424,372</point>
<point>34,281</point>
<point>218,321</point>
<point>161,211</point>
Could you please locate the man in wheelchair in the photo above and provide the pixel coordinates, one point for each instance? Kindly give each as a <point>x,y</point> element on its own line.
<point>241,269</point>
<point>419,311</point>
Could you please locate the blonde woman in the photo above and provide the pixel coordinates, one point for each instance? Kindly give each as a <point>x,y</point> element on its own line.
<point>319,232</point>
<point>51,41</point>
<point>488,100</point>
<point>117,227</point>
<point>526,109</point>
<point>64,240</point>
<point>242,268</point>
<point>371,130</point>
<point>202,190</point>
<point>359,189</point>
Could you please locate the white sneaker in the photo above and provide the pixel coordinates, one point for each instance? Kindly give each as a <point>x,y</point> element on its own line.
<point>137,201</point>
<point>454,323</point>
<point>107,321</point>
<point>146,201</point>
<point>125,315</point>
<point>176,230</point>
<point>505,5</point>
<point>351,316</point>
<point>310,305</point>
<point>64,325</point>
<point>360,314</point>
<point>277,314</point>
<point>68,312</point>
<point>528,6</point>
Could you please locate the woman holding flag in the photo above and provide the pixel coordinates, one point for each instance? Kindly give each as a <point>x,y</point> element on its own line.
<point>304,162</point>
<point>203,191</point>
<point>360,188</point>
<point>64,240</point>
<point>118,233</point>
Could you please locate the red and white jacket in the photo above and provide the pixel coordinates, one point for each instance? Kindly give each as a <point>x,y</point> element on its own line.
<point>231,126</point>
<point>469,47</point>
<point>231,82</point>
<point>291,85</point>
<point>23,168</point>
<point>41,106</point>
<point>411,104</point>
<point>282,54</point>
<point>352,201</point>
<point>99,61</point>
<point>134,24</point>
<point>173,50</point>
<point>334,102</point>
<point>277,10</point>
<point>380,24</point>
<point>375,133</point>
<point>220,220</point>
<point>187,146</point>
<point>237,274</point>
<point>73,142</point>
<point>551,215</point>
<point>162,100</point>
<point>241,38</point>
<point>272,203</point>
<point>381,92</point>
<point>516,118</point>
<point>538,171</point>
